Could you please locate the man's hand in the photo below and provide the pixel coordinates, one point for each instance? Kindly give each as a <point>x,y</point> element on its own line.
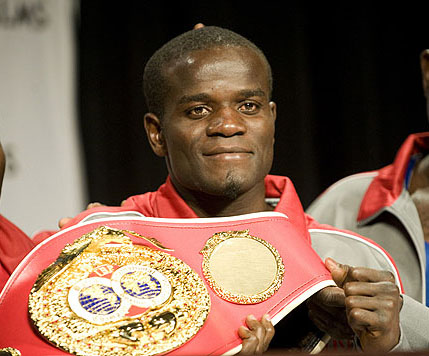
<point>258,335</point>
<point>198,25</point>
<point>328,312</point>
<point>63,221</point>
<point>372,304</point>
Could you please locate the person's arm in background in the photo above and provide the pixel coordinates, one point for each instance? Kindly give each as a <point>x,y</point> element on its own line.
<point>14,243</point>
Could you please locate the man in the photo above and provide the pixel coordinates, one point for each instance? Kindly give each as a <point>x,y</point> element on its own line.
<point>14,243</point>
<point>390,206</point>
<point>211,117</point>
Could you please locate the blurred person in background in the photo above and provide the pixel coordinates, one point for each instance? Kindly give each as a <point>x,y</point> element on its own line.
<point>14,243</point>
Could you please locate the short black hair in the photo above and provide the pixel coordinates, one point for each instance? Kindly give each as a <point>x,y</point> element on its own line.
<point>154,84</point>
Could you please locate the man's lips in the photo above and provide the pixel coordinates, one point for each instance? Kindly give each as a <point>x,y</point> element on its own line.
<point>228,153</point>
<point>233,151</point>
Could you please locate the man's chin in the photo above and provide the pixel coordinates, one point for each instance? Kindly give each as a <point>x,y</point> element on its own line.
<point>228,188</point>
<point>229,185</point>
<point>233,187</point>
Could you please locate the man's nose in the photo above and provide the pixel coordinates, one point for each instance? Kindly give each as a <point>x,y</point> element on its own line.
<point>226,122</point>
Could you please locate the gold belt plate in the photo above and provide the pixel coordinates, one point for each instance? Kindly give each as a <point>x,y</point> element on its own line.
<point>106,295</point>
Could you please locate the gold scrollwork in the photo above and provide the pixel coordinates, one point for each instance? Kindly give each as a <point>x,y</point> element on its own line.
<point>10,351</point>
<point>106,295</point>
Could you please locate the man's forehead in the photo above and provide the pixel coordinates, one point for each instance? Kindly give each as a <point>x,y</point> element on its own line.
<point>215,67</point>
<point>215,59</point>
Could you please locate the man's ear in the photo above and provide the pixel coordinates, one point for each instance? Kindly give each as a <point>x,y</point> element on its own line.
<point>273,109</point>
<point>153,127</point>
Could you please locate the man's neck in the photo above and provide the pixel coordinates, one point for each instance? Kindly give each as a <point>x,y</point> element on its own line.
<point>205,205</point>
<point>420,175</point>
<point>419,191</point>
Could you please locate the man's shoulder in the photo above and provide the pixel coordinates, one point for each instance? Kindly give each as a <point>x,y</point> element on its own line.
<point>349,248</point>
<point>351,186</point>
<point>344,196</point>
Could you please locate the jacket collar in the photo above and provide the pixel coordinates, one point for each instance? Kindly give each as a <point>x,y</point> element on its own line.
<point>168,203</point>
<point>387,186</point>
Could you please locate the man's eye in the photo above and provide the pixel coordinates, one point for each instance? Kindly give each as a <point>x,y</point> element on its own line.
<point>198,111</point>
<point>249,108</point>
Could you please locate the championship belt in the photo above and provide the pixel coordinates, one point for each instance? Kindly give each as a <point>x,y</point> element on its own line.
<point>120,285</point>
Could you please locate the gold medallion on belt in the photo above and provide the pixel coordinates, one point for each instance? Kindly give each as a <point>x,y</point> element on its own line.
<point>106,295</point>
<point>242,268</point>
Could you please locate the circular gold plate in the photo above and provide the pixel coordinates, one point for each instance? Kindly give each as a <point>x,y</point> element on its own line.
<point>242,268</point>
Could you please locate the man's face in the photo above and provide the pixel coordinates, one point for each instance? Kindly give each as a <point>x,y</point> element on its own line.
<point>218,126</point>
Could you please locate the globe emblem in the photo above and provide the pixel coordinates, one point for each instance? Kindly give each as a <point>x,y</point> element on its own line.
<point>140,284</point>
<point>99,299</point>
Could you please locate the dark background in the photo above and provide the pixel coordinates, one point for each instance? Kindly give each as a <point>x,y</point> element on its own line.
<point>347,84</point>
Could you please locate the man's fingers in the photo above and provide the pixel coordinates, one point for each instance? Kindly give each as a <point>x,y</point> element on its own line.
<point>372,304</point>
<point>338,271</point>
<point>327,311</point>
<point>244,332</point>
<point>259,331</point>
<point>198,25</point>
<point>362,320</point>
<point>258,335</point>
<point>342,274</point>
<point>371,289</point>
<point>250,341</point>
<point>94,205</point>
<point>327,298</point>
<point>363,274</point>
<point>373,312</point>
<point>269,331</point>
<point>333,321</point>
<point>63,222</point>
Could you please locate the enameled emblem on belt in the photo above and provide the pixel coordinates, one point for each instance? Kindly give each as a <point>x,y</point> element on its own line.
<point>106,295</point>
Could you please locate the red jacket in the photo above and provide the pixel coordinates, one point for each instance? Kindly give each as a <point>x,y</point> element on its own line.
<point>14,245</point>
